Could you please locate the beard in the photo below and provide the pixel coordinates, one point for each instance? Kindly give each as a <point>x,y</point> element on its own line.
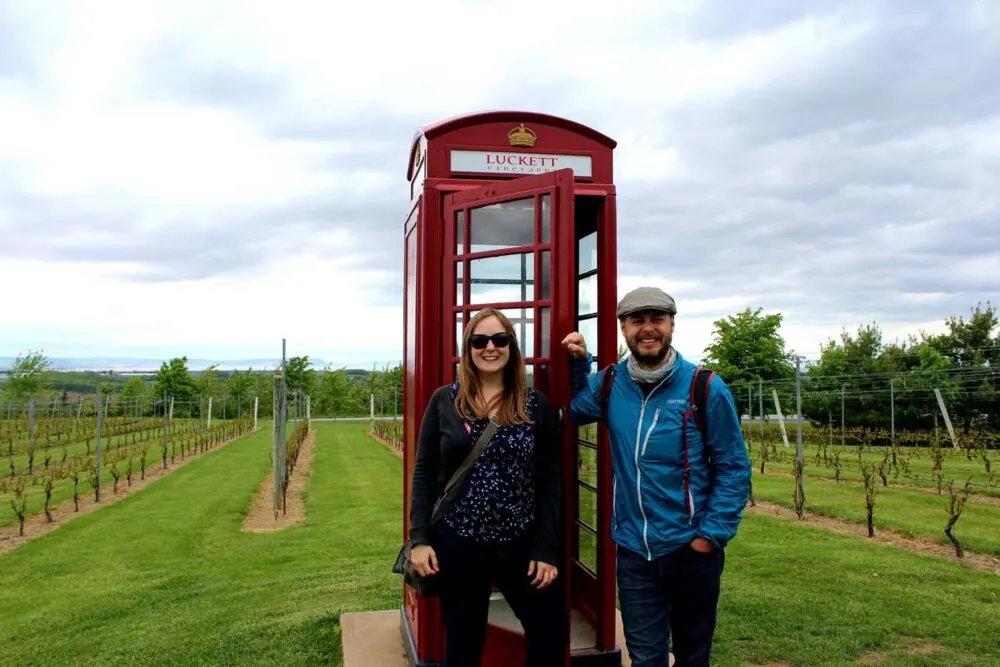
<point>650,359</point>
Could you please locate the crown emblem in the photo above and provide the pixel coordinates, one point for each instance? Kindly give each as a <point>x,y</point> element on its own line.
<point>521,136</point>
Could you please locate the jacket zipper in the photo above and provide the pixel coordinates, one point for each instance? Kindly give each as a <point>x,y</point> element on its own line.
<point>638,473</point>
<point>645,442</point>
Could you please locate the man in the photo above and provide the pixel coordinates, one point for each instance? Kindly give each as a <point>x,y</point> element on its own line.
<point>671,528</point>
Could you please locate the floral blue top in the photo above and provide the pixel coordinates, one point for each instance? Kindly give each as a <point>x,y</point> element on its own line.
<point>497,500</point>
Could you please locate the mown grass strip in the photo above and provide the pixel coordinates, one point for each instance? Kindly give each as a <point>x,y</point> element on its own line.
<point>166,577</point>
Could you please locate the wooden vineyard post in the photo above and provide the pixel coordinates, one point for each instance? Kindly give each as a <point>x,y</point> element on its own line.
<point>97,487</point>
<point>166,429</point>
<point>760,400</point>
<point>800,494</point>
<point>947,419</point>
<point>31,436</point>
<point>278,453</point>
<point>781,416</point>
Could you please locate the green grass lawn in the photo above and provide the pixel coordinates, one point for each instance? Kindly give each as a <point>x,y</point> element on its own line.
<point>800,595</point>
<point>166,577</point>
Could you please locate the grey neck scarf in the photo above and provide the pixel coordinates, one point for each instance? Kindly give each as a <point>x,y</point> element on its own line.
<point>640,374</point>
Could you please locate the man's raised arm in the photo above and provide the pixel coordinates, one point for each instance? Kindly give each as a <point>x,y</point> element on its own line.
<point>584,406</point>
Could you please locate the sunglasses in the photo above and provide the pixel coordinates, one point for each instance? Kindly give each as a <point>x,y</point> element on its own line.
<point>480,341</point>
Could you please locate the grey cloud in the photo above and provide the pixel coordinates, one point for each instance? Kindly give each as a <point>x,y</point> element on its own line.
<point>394,131</point>
<point>171,69</point>
<point>350,140</point>
<point>190,246</point>
<point>840,189</point>
<point>925,66</point>
<point>20,44</point>
<point>178,68</point>
<point>827,190</point>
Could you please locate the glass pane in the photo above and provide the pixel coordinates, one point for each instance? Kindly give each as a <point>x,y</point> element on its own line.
<point>503,225</point>
<point>587,295</point>
<point>529,370</point>
<point>460,233</point>
<point>459,284</point>
<point>588,253</point>
<point>588,515</point>
<point>587,472</point>
<point>524,328</point>
<point>546,277</point>
<point>588,549</point>
<point>459,331</point>
<point>588,328</point>
<point>544,321</point>
<point>546,218</point>
<point>504,278</point>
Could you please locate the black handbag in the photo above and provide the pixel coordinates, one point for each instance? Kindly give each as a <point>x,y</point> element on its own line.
<point>429,586</point>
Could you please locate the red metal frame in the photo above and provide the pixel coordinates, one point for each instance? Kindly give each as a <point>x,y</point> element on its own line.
<point>607,324</point>
<point>534,187</point>
<point>429,252</point>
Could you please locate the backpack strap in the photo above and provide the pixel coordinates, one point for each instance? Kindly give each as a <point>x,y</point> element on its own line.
<point>699,399</point>
<point>697,410</point>
<point>607,381</point>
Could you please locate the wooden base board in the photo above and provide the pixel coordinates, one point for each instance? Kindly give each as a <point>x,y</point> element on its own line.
<point>372,639</point>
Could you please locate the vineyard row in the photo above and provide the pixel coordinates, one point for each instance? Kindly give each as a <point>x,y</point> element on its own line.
<point>124,458</point>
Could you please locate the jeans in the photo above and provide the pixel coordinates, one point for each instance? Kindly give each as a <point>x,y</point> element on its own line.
<point>469,570</point>
<point>675,594</point>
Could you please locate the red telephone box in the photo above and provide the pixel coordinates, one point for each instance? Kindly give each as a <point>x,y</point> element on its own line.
<point>516,211</point>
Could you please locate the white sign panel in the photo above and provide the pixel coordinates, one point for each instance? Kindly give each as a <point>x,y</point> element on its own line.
<point>499,162</point>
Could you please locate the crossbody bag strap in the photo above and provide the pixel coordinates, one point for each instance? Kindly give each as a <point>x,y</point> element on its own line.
<point>463,470</point>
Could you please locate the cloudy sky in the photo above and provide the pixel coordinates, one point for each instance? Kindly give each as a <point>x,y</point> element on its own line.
<point>206,177</point>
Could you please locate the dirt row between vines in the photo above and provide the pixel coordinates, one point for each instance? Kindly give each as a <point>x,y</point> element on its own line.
<point>262,517</point>
<point>37,524</point>
<point>388,445</point>
<point>922,545</point>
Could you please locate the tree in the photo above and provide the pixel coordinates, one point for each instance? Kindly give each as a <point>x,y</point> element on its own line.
<point>299,375</point>
<point>240,387</point>
<point>262,386</point>
<point>174,379</point>
<point>334,394</point>
<point>134,388</point>
<point>134,394</point>
<point>29,376</point>
<point>972,348</point>
<point>209,383</point>
<point>747,347</point>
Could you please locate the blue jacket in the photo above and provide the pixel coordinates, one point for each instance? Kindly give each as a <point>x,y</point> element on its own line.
<point>650,515</point>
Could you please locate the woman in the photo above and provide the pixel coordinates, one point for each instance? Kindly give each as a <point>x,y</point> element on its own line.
<point>503,524</point>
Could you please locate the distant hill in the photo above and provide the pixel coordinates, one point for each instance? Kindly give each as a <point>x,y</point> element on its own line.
<point>137,364</point>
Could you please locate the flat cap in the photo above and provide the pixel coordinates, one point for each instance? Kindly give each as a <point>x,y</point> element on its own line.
<point>646,298</point>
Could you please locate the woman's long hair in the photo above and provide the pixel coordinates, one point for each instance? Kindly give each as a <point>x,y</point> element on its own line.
<point>512,405</point>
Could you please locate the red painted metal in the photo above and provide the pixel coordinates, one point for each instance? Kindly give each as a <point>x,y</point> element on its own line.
<point>430,308</point>
<point>607,323</point>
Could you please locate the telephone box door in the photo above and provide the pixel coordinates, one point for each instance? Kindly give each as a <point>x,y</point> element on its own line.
<point>509,246</point>
<point>503,249</point>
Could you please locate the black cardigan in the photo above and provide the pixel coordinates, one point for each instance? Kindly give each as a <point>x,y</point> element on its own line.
<point>444,443</point>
